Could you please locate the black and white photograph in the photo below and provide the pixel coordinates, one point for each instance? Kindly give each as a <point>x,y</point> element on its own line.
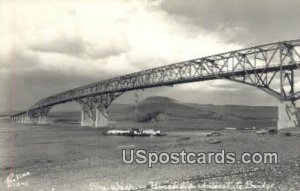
<point>149,95</point>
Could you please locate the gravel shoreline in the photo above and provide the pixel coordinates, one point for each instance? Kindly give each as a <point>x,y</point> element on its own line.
<point>282,176</point>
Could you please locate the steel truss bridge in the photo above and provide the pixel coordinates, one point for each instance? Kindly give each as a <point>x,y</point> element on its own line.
<point>268,67</point>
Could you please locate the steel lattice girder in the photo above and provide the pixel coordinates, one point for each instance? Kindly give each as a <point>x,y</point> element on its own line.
<point>255,66</point>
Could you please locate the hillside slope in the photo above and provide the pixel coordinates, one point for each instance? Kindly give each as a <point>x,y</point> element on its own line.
<point>174,113</point>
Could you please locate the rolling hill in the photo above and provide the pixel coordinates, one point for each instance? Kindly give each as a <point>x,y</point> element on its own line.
<point>182,115</point>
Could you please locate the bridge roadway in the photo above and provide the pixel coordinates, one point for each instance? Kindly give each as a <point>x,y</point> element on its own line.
<point>269,67</point>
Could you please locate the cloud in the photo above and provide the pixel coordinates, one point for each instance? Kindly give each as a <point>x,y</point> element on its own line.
<point>19,59</point>
<point>107,48</point>
<point>78,47</point>
<point>70,46</point>
<point>52,46</point>
<point>241,21</point>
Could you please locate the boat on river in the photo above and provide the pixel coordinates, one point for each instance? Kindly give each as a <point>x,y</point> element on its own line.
<point>135,132</point>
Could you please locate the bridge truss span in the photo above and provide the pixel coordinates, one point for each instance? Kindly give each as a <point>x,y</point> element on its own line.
<point>269,67</point>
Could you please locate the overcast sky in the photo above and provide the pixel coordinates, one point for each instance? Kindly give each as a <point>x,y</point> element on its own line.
<point>48,46</point>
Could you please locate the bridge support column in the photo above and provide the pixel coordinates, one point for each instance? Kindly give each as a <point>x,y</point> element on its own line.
<point>40,114</point>
<point>101,116</point>
<point>94,109</point>
<point>13,119</point>
<point>28,120</point>
<point>86,116</point>
<point>22,119</point>
<point>42,120</point>
<point>287,115</point>
<point>19,119</point>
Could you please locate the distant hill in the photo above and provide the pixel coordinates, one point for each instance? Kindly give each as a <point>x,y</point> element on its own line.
<point>240,112</point>
<point>169,107</point>
<point>173,113</point>
<point>176,109</point>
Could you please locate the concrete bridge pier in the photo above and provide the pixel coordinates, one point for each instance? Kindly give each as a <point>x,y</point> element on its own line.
<point>42,115</point>
<point>19,119</point>
<point>13,119</point>
<point>28,120</point>
<point>38,116</point>
<point>101,116</point>
<point>86,120</point>
<point>287,115</point>
<point>42,120</point>
<point>94,109</point>
<point>86,114</point>
<point>23,119</point>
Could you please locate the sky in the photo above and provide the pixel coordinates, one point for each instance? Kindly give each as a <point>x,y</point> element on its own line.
<point>49,46</point>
